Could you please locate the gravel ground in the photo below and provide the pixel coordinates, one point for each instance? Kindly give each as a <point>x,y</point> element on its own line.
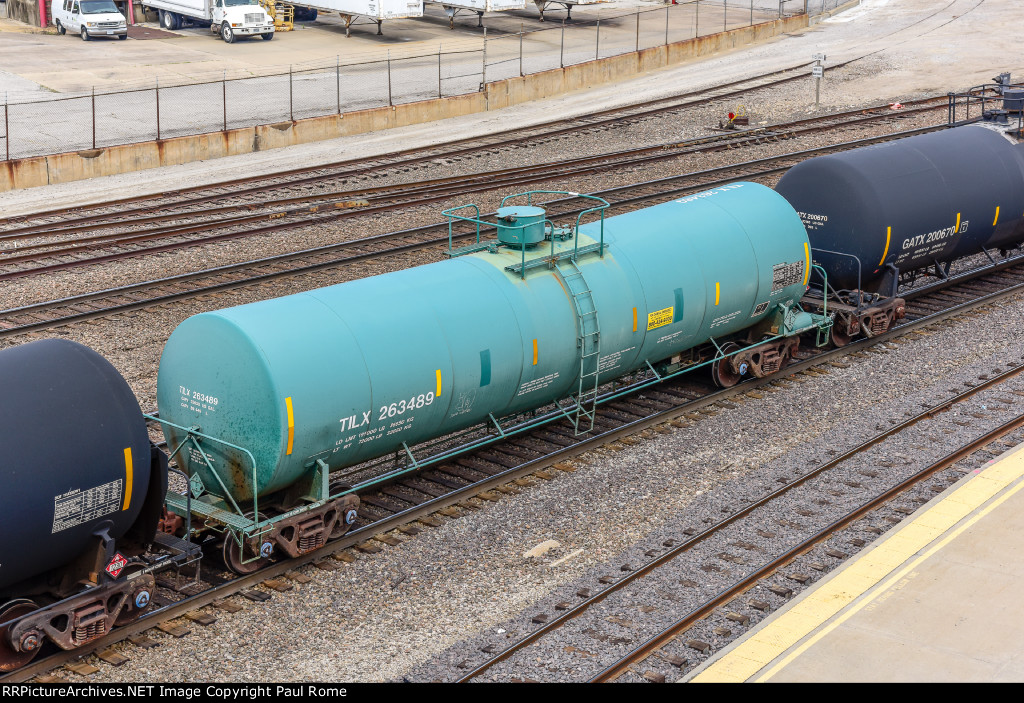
<point>653,131</point>
<point>418,610</point>
<point>410,611</point>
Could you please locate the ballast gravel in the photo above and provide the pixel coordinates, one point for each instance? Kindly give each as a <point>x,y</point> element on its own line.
<point>419,610</point>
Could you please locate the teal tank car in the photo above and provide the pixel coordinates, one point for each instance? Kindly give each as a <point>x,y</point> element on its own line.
<point>281,393</point>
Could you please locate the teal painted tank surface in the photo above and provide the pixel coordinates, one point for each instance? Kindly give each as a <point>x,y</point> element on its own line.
<point>350,372</point>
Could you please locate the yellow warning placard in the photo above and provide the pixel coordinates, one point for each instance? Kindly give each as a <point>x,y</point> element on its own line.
<point>659,318</point>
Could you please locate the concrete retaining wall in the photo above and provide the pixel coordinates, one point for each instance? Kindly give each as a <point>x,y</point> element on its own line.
<point>73,166</point>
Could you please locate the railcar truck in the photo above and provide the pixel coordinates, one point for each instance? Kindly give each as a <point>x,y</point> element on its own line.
<point>229,18</point>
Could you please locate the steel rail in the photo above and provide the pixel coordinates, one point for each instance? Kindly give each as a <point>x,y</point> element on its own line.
<point>712,530</point>
<point>460,495</point>
<point>398,197</point>
<point>654,643</point>
<point>663,190</point>
<point>508,138</point>
<point>553,169</point>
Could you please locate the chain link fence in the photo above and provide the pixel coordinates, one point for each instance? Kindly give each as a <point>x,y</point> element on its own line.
<point>103,119</point>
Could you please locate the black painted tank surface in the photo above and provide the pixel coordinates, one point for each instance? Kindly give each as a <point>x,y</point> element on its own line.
<point>74,454</point>
<point>910,203</point>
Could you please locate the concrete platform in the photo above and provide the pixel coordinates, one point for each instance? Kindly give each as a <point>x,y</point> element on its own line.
<point>938,598</point>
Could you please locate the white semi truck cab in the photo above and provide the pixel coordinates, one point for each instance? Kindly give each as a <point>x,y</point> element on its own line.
<point>229,18</point>
<point>241,17</point>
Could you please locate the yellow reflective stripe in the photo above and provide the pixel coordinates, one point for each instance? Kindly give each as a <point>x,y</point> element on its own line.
<point>438,394</point>
<point>888,238</point>
<point>127,477</point>
<point>807,264</point>
<point>718,292</point>
<point>291,425</point>
<point>957,228</point>
<point>535,352</point>
<point>997,217</point>
<point>634,319</point>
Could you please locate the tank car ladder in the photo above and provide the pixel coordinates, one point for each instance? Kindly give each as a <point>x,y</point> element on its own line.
<point>588,339</point>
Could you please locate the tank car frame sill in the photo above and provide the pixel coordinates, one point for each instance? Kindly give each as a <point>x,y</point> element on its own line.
<point>715,353</point>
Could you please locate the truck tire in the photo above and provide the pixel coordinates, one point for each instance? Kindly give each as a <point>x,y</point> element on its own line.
<point>226,34</point>
<point>122,37</point>
<point>169,20</point>
<point>267,36</point>
<point>85,34</point>
<point>60,28</point>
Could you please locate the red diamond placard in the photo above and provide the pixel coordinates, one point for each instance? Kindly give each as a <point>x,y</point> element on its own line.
<point>116,565</point>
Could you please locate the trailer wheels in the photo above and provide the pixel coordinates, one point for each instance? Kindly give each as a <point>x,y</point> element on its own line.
<point>226,34</point>
<point>268,36</point>
<point>169,20</point>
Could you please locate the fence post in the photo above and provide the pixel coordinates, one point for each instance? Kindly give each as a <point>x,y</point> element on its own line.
<point>751,13</point>
<point>597,40</point>
<point>725,15</point>
<point>390,101</point>
<point>483,61</point>
<point>94,117</point>
<point>7,127</point>
<point>291,103</point>
<point>637,31</point>
<point>158,108</point>
<point>696,19</point>
<point>224,97</point>
<point>666,24</point>
<point>337,78</point>
<point>438,70</point>
<point>561,50</point>
<point>522,28</point>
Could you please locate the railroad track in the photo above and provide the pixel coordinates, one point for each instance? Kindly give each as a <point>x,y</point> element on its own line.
<point>405,159</point>
<point>732,530</point>
<point>453,487</point>
<point>49,314</point>
<point>180,230</point>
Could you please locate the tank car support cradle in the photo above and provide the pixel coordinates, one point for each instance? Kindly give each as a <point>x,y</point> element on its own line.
<point>80,619</point>
<point>250,537</point>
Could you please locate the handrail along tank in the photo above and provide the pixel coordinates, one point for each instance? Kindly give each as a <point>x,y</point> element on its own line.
<point>907,204</point>
<point>358,370</point>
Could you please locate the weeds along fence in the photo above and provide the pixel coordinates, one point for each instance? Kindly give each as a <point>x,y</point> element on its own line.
<point>99,119</point>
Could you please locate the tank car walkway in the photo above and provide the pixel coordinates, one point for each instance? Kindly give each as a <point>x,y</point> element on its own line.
<point>938,598</point>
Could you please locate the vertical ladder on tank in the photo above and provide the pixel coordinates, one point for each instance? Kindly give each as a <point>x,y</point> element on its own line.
<point>588,339</point>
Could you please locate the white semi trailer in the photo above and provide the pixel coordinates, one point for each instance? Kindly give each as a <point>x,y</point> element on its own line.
<point>373,10</point>
<point>229,18</point>
<point>478,6</point>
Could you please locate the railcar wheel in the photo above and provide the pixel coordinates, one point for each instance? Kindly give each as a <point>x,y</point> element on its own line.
<point>840,337</point>
<point>10,659</point>
<point>239,558</point>
<point>721,371</point>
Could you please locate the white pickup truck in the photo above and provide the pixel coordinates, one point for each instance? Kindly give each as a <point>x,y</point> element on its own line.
<point>229,18</point>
